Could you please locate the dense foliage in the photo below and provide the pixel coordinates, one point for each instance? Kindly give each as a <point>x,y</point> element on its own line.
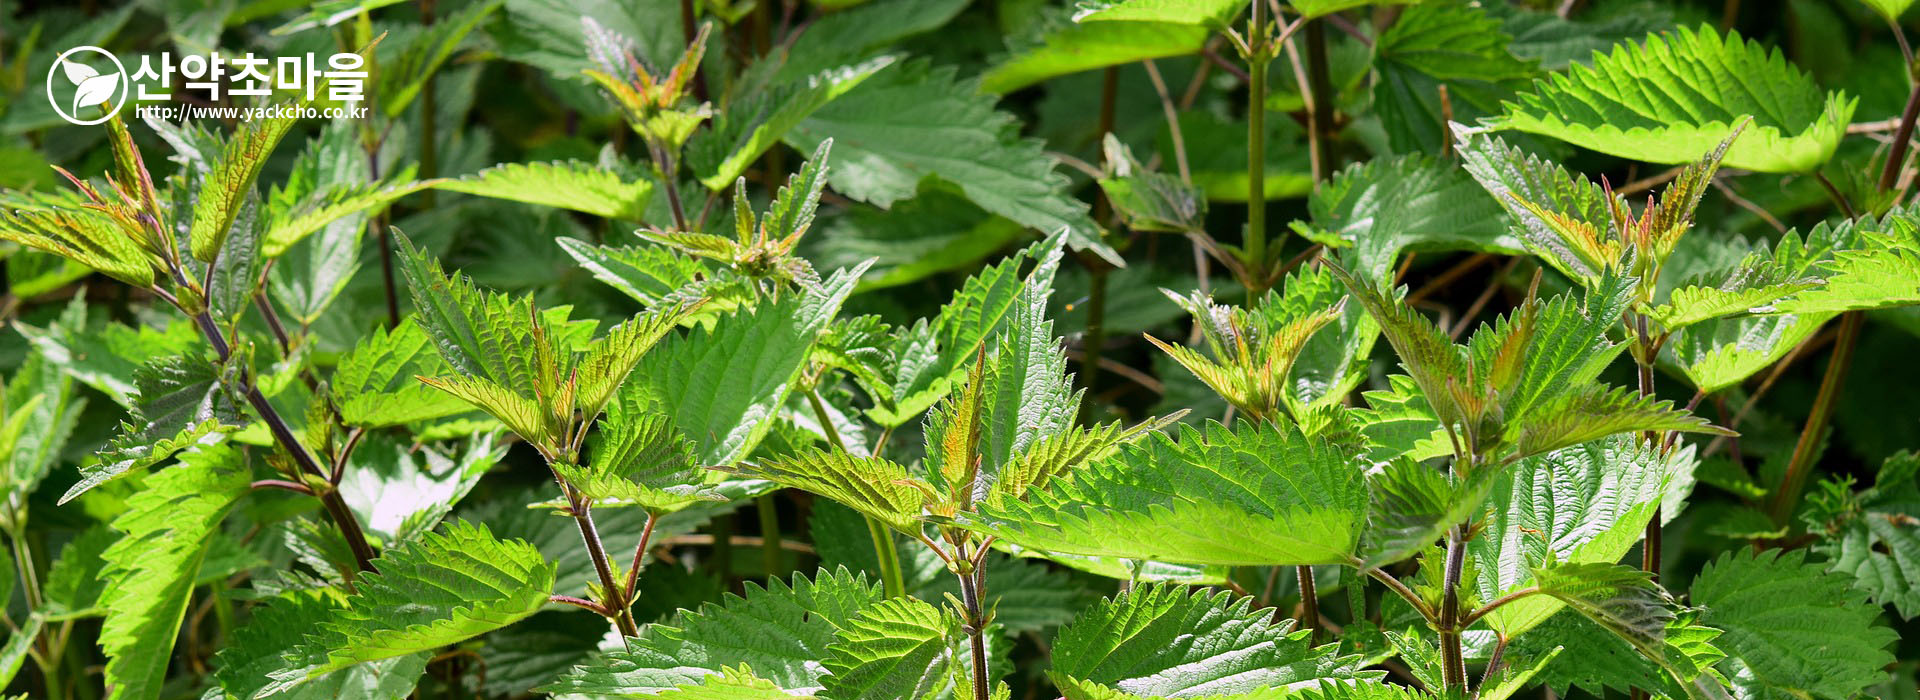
<point>889,349</point>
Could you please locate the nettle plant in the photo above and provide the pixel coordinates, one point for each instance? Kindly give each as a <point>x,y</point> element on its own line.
<point>473,395</point>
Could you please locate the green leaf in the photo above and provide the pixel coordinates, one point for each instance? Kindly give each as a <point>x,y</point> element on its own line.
<point>400,490</point>
<point>287,226</point>
<point>1259,495</point>
<point>1584,504</point>
<point>254,652</point>
<point>403,77</point>
<point>574,185</point>
<point>1440,45</point>
<point>1170,641</point>
<point>638,458</point>
<point>547,33</point>
<point>722,386</point>
<point>1388,205</point>
<point>875,486</point>
<point>1595,411</point>
<point>1019,395</point>
<point>85,236</point>
<point>605,363</point>
<point>1060,46</point>
<point>74,584</point>
<point>930,358</point>
<point>746,127</point>
<point>480,334</point>
<point>183,401</point>
<point>1872,535</point>
<point>1214,14</point>
<point>1147,200</point>
<point>729,684</point>
<point>1516,178</point>
<point>782,632</point>
<point>850,35</point>
<point>1874,263</point>
<point>1428,354</point>
<point>1621,598</point>
<point>41,412</point>
<point>151,570</point>
<point>1890,9</point>
<point>912,121</point>
<point>437,590</point>
<point>1720,353</point>
<point>1687,93</point>
<point>1413,505</point>
<point>650,274</point>
<point>1792,629</point>
<point>936,231</point>
<point>897,649</point>
<point>1322,8</point>
<point>375,385</point>
<point>229,180</point>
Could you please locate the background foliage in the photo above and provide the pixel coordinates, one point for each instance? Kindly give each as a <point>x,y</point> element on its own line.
<point>923,348</point>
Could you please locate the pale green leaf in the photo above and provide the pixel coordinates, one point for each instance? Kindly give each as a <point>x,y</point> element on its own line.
<point>437,590</point>
<point>574,185</point>
<point>151,570</point>
<point>1669,98</point>
<point>375,384</point>
<point>1170,641</point>
<point>782,632</point>
<point>1259,495</point>
<point>1584,504</point>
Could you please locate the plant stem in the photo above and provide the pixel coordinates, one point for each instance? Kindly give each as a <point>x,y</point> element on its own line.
<point>1260,54</point>
<point>429,108</point>
<point>976,632</point>
<point>1902,137</point>
<point>23,563</point>
<point>668,182</point>
<point>883,546</point>
<point>611,595</point>
<point>769,534</point>
<point>1453,665</point>
<point>336,506</point>
<point>639,558</point>
<point>1650,550</point>
<point>1795,479</point>
<point>1320,119</point>
<point>1309,602</point>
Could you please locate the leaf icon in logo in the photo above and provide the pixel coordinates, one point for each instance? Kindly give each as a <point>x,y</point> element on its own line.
<point>78,72</point>
<point>95,90</point>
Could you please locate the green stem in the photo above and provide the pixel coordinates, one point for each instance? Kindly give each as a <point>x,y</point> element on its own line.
<point>1320,85</point>
<point>597,552</point>
<point>1644,358</point>
<point>769,534</point>
<point>1788,495</point>
<point>1453,665</point>
<point>970,581</point>
<point>884,547</point>
<point>1897,156</point>
<point>429,109</point>
<point>1309,602</point>
<point>1260,54</point>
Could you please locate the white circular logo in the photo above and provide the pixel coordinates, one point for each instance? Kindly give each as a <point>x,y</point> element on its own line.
<point>83,86</point>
